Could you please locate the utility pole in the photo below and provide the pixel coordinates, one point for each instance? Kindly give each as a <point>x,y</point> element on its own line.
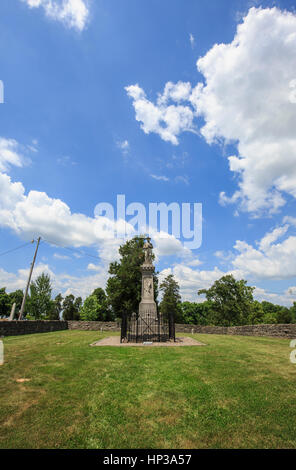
<point>29,280</point>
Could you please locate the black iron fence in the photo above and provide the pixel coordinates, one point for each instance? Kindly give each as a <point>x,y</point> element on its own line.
<point>147,327</point>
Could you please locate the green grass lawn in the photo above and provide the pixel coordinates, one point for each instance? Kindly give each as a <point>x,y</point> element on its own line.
<point>236,392</point>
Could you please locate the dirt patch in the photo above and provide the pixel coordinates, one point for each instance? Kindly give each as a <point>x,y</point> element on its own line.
<point>115,341</point>
<point>20,381</point>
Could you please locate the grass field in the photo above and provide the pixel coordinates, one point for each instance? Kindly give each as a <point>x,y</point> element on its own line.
<point>236,392</point>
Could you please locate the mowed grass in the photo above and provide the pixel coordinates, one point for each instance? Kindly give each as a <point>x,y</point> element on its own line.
<point>236,392</point>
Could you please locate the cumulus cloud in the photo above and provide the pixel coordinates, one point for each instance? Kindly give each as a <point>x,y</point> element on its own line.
<point>37,214</point>
<point>167,120</point>
<point>247,99</point>
<point>274,261</point>
<point>10,154</point>
<point>73,13</point>
<point>286,298</point>
<point>191,280</point>
<point>273,257</point>
<point>61,282</point>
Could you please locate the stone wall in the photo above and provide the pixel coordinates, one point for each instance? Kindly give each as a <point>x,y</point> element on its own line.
<point>94,325</point>
<point>278,330</point>
<point>26,327</point>
<point>12,328</point>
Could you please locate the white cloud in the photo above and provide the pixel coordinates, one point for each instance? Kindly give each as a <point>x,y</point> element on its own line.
<point>192,40</point>
<point>286,298</point>
<point>289,220</point>
<point>167,120</point>
<point>124,146</point>
<point>166,244</point>
<point>62,257</point>
<point>176,92</point>
<point>64,283</point>
<point>191,280</point>
<point>270,259</point>
<point>160,177</point>
<point>276,261</point>
<point>248,99</point>
<point>66,161</point>
<point>271,237</point>
<point>37,214</point>
<point>10,154</point>
<point>73,13</point>
<point>182,179</point>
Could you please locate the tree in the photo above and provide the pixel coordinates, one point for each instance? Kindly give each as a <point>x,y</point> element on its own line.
<point>231,300</point>
<point>71,307</point>
<point>56,308</point>
<point>5,303</point>
<point>91,309</point>
<point>194,313</point>
<point>284,315</point>
<point>17,298</point>
<point>293,312</point>
<point>256,313</point>
<point>124,285</point>
<point>171,299</point>
<point>104,312</point>
<point>269,317</point>
<point>100,295</point>
<point>274,313</point>
<point>40,298</point>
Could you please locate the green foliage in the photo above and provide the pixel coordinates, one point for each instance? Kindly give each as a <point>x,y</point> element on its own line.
<point>171,299</point>
<point>39,303</point>
<point>91,309</point>
<point>276,313</point>
<point>269,317</point>
<point>4,303</point>
<point>231,300</point>
<point>17,298</point>
<point>100,295</point>
<point>194,313</point>
<point>104,311</point>
<point>124,285</point>
<point>256,314</point>
<point>56,308</point>
<point>293,313</point>
<point>284,315</point>
<point>71,307</point>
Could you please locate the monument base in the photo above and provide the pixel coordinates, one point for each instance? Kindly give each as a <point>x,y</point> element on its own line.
<point>147,308</point>
<point>147,327</point>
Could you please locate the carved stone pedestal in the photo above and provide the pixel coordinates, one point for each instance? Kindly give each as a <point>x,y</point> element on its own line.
<point>147,304</point>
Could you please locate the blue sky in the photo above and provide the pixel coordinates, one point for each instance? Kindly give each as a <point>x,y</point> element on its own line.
<point>86,118</point>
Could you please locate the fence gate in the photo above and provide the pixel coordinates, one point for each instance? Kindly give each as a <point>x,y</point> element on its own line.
<point>147,327</point>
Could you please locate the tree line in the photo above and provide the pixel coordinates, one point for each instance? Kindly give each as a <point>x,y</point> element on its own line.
<point>228,301</point>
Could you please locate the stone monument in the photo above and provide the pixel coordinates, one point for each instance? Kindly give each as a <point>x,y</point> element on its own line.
<point>147,305</point>
<point>148,325</point>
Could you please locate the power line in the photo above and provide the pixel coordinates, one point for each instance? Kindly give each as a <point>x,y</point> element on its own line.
<point>74,250</point>
<point>17,248</point>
